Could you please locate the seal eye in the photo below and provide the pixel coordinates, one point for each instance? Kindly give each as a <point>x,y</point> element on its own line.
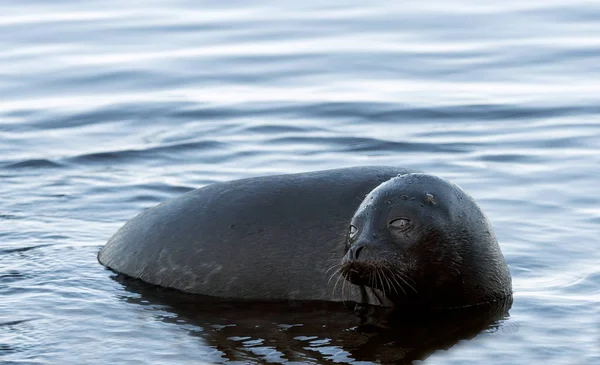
<point>352,231</point>
<point>400,223</point>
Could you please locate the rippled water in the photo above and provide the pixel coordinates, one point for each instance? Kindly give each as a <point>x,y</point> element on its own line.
<point>107,108</point>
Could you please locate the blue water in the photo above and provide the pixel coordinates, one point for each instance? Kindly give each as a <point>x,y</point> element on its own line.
<point>110,107</point>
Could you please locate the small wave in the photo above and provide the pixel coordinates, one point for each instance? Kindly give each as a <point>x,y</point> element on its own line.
<point>12,276</point>
<point>7,349</point>
<point>277,129</point>
<point>21,249</point>
<point>128,155</point>
<point>32,163</point>
<point>14,323</point>
<point>386,112</point>
<point>520,158</point>
<point>142,112</point>
<point>355,144</point>
<point>8,216</point>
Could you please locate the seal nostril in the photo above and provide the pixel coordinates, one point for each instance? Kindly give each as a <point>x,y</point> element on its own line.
<point>357,251</point>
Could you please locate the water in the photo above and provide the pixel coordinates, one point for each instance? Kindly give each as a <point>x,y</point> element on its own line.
<point>107,108</point>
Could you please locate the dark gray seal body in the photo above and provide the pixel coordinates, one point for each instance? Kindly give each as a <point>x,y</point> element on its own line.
<point>286,237</point>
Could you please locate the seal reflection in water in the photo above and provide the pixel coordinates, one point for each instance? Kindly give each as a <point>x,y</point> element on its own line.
<point>413,238</point>
<point>322,332</point>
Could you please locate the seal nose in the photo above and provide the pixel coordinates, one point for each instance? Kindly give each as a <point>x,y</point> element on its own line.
<point>355,251</point>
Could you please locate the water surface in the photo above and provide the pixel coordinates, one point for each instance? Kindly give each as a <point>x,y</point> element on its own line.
<point>107,108</point>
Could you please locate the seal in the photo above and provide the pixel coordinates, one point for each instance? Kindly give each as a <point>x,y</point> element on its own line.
<point>412,237</point>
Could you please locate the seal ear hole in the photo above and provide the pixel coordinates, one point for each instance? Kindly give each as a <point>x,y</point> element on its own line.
<point>400,223</point>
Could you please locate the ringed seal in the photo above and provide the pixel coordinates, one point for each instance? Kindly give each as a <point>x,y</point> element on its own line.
<point>374,235</point>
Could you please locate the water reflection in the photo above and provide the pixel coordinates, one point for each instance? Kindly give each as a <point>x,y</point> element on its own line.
<point>312,331</point>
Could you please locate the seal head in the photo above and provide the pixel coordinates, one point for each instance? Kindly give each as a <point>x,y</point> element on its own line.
<point>421,240</point>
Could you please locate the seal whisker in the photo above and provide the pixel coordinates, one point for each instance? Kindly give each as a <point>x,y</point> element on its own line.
<point>344,290</point>
<point>382,282</point>
<point>376,279</point>
<point>375,275</point>
<point>338,266</point>
<point>391,280</point>
<point>331,277</point>
<point>406,277</point>
<point>332,261</point>
<point>336,284</point>
<point>341,290</point>
<point>387,279</point>
<point>398,285</point>
<point>400,276</point>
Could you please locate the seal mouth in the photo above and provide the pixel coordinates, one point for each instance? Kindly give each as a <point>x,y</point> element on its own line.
<point>378,275</point>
